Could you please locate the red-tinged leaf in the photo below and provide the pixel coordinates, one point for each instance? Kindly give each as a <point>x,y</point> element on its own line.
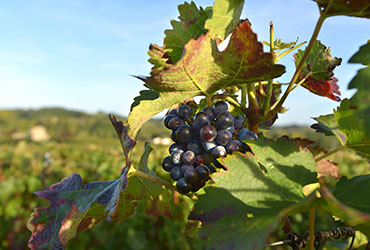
<point>191,25</point>
<point>68,198</point>
<point>322,87</point>
<point>327,168</point>
<point>320,65</point>
<point>203,70</point>
<point>357,8</point>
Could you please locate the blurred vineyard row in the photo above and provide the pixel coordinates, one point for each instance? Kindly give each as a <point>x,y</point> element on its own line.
<point>74,141</point>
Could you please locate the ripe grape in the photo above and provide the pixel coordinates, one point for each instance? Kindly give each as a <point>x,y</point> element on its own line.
<point>167,120</point>
<point>195,147</point>
<point>184,111</point>
<point>173,112</point>
<point>176,146</point>
<point>190,175</point>
<point>224,120</point>
<point>184,133</point>
<point>176,173</point>
<point>175,123</point>
<point>188,157</point>
<point>185,168</point>
<point>173,136</point>
<point>208,133</point>
<point>234,145</point>
<point>201,119</point>
<point>198,184</point>
<point>210,112</point>
<point>167,164</point>
<point>221,107</point>
<point>209,145</point>
<point>224,137</point>
<point>239,121</point>
<point>182,186</point>
<point>203,172</point>
<point>176,156</point>
<point>246,134</point>
<point>219,151</point>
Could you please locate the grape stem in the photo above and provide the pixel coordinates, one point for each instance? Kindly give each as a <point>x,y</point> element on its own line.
<point>329,153</point>
<point>266,104</point>
<point>152,178</point>
<point>243,95</point>
<point>252,111</point>
<point>297,72</point>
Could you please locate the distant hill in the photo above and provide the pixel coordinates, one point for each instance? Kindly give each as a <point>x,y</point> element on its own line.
<point>77,126</point>
<point>68,125</point>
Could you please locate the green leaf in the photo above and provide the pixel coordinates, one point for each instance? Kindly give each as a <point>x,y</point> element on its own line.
<point>204,70</point>
<point>280,45</point>
<point>354,125</point>
<point>346,188</point>
<point>328,126</point>
<point>225,16</point>
<point>238,232</point>
<point>262,185</point>
<point>320,65</point>
<point>357,8</point>
<point>191,25</point>
<point>156,57</point>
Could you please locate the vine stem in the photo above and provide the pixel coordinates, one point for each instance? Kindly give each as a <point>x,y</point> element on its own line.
<point>143,175</point>
<point>252,108</point>
<point>244,95</point>
<point>329,153</point>
<point>280,103</point>
<point>266,104</point>
<point>311,227</point>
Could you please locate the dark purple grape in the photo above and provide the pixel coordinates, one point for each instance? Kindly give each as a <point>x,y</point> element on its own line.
<point>173,112</point>
<point>211,168</point>
<point>224,120</point>
<point>245,148</point>
<point>209,145</point>
<point>203,172</point>
<point>185,168</point>
<point>239,121</point>
<point>207,158</point>
<point>224,137</point>
<point>167,164</point>
<point>176,157</point>
<point>167,120</point>
<point>190,175</point>
<point>199,159</point>
<point>198,184</point>
<point>176,173</point>
<point>175,123</point>
<point>184,133</point>
<point>201,119</point>
<point>208,133</point>
<point>219,151</point>
<point>173,136</point>
<point>176,146</point>
<point>234,145</point>
<point>246,134</point>
<point>195,147</point>
<point>184,112</point>
<point>221,107</point>
<point>210,112</point>
<point>188,157</point>
<point>183,187</point>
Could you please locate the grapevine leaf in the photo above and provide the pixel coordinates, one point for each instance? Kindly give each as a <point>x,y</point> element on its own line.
<point>320,65</point>
<point>72,205</point>
<point>225,16</point>
<point>280,45</point>
<point>361,99</point>
<point>156,57</point>
<point>348,125</point>
<point>191,25</point>
<point>345,189</point>
<point>238,232</point>
<point>354,125</point>
<point>357,8</point>
<point>156,199</point>
<point>204,70</point>
<point>126,141</point>
<point>262,184</point>
<point>329,126</point>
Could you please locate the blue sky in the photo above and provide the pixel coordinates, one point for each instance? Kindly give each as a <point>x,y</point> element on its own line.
<point>80,54</point>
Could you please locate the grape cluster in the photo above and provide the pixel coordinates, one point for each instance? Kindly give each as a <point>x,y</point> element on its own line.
<point>198,142</point>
